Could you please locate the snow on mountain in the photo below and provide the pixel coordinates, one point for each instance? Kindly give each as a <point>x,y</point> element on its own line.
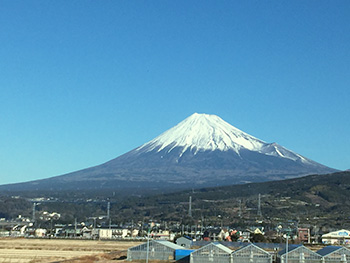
<point>274,149</point>
<point>204,132</point>
<point>201,151</point>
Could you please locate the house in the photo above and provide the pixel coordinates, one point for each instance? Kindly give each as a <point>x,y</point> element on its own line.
<point>104,233</point>
<point>337,237</point>
<point>304,235</point>
<point>124,232</point>
<point>160,234</point>
<point>72,231</point>
<point>135,233</point>
<point>40,232</point>
<point>19,230</point>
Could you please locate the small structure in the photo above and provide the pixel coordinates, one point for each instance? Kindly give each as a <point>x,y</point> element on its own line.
<point>104,233</point>
<point>334,254</point>
<point>251,254</point>
<point>184,241</point>
<point>337,237</point>
<point>154,249</point>
<point>160,234</point>
<point>298,254</point>
<point>213,252</point>
<point>304,235</point>
<point>40,232</point>
<point>20,230</point>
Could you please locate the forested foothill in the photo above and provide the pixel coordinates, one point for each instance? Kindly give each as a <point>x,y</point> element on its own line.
<point>321,200</point>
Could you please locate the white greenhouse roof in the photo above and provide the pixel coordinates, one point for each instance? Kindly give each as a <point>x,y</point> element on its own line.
<point>222,247</point>
<point>161,242</point>
<point>169,244</point>
<point>250,246</point>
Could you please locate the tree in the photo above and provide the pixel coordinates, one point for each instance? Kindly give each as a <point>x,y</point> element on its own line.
<point>234,235</point>
<point>256,238</point>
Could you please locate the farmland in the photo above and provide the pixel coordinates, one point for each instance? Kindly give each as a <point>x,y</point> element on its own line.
<point>21,250</point>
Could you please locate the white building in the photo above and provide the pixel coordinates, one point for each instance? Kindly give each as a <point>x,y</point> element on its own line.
<point>105,233</point>
<point>40,232</point>
<point>337,237</point>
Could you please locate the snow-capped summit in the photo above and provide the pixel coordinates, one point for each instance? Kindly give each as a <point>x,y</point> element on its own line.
<point>202,150</point>
<point>205,132</point>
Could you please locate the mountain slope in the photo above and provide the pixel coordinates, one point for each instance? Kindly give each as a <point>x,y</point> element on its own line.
<point>203,132</point>
<point>203,150</point>
<point>316,200</point>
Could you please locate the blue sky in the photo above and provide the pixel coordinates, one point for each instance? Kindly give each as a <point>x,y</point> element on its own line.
<point>82,82</point>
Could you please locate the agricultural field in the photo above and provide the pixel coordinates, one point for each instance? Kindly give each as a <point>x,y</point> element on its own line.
<point>21,250</point>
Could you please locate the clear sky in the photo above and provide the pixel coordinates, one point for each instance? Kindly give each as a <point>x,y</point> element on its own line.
<point>82,82</point>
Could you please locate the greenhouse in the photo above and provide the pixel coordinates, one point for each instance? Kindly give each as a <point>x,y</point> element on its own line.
<point>213,252</point>
<point>335,254</point>
<point>251,254</point>
<point>298,254</point>
<point>157,250</point>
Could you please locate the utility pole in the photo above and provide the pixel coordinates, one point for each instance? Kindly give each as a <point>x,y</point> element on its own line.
<point>202,225</point>
<point>108,209</point>
<point>259,206</point>
<point>75,227</point>
<point>94,218</point>
<point>190,207</point>
<point>240,209</point>
<point>287,248</point>
<point>147,255</point>
<point>34,205</point>
<point>142,227</point>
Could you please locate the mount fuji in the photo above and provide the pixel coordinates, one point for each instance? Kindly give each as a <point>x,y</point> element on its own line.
<point>201,151</point>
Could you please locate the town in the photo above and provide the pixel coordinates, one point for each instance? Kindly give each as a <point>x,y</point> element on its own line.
<point>194,243</point>
<point>102,228</point>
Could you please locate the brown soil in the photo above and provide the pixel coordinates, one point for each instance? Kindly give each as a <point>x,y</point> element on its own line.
<point>21,250</point>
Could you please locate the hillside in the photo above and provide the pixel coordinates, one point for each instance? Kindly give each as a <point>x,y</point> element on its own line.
<point>314,199</point>
<point>321,200</point>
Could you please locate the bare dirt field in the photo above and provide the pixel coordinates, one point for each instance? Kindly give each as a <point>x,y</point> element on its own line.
<point>21,250</point>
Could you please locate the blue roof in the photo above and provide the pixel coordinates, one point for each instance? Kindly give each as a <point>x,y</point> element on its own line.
<point>328,250</point>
